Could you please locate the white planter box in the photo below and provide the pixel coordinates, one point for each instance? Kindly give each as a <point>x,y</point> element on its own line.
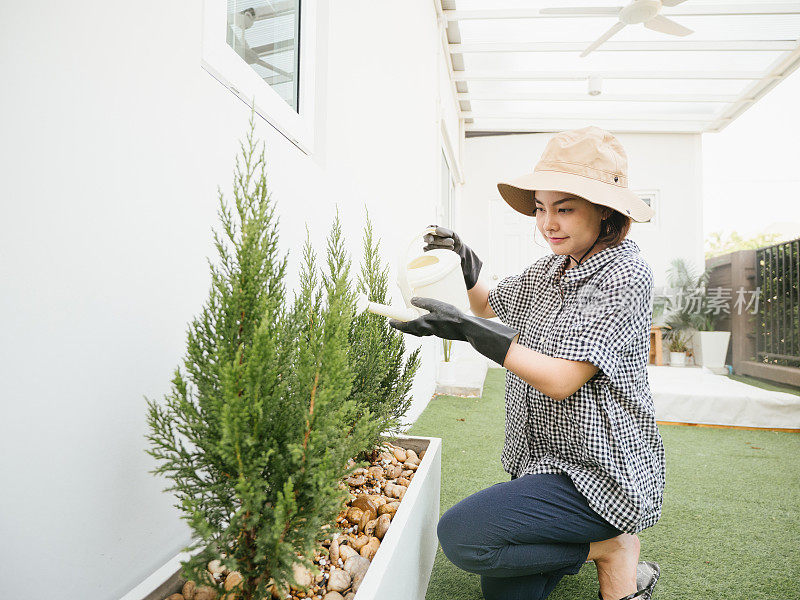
<point>711,348</point>
<point>400,570</point>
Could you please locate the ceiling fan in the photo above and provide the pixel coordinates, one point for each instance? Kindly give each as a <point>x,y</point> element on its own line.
<point>638,11</point>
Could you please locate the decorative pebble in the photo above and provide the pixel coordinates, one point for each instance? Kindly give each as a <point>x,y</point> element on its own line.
<point>188,590</point>
<point>339,580</point>
<point>233,579</point>
<point>382,526</point>
<point>357,567</point>
<point>301,575</point>
<point>205,592</point>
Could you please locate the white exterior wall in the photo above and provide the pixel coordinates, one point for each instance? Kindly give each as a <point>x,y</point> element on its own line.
<point>114,140</point>
<point>668,163</point>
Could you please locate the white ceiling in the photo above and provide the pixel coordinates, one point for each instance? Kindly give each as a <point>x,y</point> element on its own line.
<point>518,70</point>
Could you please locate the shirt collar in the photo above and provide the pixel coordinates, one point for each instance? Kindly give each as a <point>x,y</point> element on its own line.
<point>589,266</point>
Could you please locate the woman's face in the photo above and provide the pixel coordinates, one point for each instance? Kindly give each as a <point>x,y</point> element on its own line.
<point>569,223</point>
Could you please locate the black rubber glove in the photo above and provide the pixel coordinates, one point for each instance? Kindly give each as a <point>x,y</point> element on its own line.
<point>490,338</point>
<point>449,240</point>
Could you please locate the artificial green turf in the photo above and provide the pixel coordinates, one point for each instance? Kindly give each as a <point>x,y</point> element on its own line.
<point>766,385</point>
<point>730,524</point>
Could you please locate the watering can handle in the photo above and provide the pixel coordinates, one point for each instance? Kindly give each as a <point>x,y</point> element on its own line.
<point>402,271</point>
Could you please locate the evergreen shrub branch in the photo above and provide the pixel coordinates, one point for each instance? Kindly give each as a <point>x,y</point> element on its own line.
<point>275,399</point>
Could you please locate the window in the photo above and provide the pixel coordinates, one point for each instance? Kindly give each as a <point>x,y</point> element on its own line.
<point>263,51</point>
<point>266,35</point>
<point>650,197</point>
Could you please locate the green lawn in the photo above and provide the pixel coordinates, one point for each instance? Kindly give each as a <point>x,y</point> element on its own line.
<point>730,526</point>
<point>766,385</point>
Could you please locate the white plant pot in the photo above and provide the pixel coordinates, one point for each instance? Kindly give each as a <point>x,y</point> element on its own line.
<point>447,372</point>
<point>462,377</point>
<point>677,359</point>
<point>400,570</point>
<point>711,348</point>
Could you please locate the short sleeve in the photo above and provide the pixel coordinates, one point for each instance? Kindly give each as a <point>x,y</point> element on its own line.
<point>613,317</point>
<point>502,297</point>
<point>510,299</point>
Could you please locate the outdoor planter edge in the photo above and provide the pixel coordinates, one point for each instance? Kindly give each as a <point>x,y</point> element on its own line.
<point>401,568</point>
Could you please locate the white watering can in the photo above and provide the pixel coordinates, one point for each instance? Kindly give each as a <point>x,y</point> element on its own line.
<point>433,274</point>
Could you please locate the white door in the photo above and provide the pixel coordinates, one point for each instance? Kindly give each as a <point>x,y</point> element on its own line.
<point>513,245</point>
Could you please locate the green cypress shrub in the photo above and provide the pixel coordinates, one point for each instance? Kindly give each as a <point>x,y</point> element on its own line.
<point>257,432</point>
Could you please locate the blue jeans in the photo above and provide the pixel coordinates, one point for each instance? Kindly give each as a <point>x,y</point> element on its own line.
<point>522,536</point>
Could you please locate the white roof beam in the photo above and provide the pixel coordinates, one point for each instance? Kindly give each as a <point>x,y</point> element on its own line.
<point>686,9</point>
<point>779,70</point>
<point>523,97</point>
<point>585,117</point>
<point>644,46</point>
<point>620,125</point>
<point>582,75</point>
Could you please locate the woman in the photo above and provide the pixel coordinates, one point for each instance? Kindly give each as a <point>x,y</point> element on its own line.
<point>582,446</point>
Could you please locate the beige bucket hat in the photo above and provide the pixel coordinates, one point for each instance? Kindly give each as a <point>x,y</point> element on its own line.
<point>588,162</point>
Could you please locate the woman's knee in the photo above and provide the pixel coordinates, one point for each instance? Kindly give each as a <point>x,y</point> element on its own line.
<point>461,543</point>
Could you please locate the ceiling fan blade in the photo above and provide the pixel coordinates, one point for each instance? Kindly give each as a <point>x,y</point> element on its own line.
<point>614,30</point>
<point>672,2</point>
<point>665,25</point>
<point>582,10</point>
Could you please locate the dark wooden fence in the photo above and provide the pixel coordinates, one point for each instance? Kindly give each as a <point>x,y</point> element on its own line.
<point>764,317</point>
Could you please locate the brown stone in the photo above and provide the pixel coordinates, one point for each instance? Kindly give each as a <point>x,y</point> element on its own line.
<point>234,579</point>
<point>394,471</point>
<point>369,528</point>
<point>382,526</point>
<point>360,541</point>
<point>302,576</point>
<point>339,580</point>
<point>371,548</point>
<point>390,508</point>
<point>356,480</point>
<point>367,504</point>
<point>205,592</point>
<point>333,551</point>
<point>346,552</point>
<point>357,567</point>
<point>354,515</point>
<point>188,590</point>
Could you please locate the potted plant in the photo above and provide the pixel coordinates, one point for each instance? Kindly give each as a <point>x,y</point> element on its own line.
<point>462,376</point>
<point>445,374</point>
<point>698,317</point>
<point>279,405</point>
<point>677,348</point>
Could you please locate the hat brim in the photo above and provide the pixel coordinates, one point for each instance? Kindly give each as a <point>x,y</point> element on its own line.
<point>518,193</point>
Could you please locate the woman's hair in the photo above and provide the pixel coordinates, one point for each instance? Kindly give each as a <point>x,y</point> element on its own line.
<point>614,228</point>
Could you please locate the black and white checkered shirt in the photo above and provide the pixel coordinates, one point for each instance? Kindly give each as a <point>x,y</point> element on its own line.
<point>604,436</point>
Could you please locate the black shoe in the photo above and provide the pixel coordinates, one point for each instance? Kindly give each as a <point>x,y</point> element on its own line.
<point>647,574</point>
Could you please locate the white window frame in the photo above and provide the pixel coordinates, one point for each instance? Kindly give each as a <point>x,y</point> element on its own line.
<point>655,204</point>
<point>227,67</point>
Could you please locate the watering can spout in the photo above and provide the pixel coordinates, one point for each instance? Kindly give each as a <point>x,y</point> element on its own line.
<point>399,313</point>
